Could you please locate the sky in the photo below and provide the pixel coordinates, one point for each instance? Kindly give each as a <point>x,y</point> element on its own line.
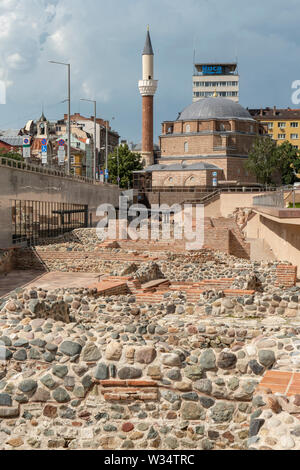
<point>103,41</point>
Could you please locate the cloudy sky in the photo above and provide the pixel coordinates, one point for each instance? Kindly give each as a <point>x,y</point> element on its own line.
<point>103,40</point>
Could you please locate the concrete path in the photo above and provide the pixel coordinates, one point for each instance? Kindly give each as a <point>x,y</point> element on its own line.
<point>16,279</point>
<point>49,281</point>
<point>55,280</point>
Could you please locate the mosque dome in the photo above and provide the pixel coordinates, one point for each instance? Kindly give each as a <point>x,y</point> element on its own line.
<point>214,108</point>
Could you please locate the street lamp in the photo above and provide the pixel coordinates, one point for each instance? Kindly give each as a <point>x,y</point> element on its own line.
<point>95,134</point>
<point>69,111</point>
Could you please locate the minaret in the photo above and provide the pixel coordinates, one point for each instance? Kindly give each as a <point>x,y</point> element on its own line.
<point>148,87</point>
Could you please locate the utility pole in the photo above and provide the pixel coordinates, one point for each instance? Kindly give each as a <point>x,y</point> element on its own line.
<point>118,163</point>
<point>95,135</point>
<point>69,111</point>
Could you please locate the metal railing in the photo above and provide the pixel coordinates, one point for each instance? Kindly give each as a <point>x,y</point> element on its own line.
<point>21,165</point>
<point>280,199</point>
<point>35,221</point>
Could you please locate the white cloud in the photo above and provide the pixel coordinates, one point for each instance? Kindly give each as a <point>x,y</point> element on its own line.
<point>103,42</point>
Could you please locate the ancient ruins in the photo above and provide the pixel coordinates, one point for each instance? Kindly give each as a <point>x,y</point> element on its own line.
<point>140,345</point>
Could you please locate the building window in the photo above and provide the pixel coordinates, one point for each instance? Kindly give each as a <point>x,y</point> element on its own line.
<point>170,180</point>
<point>188,128</point>
<point>270,125</point>
<point>296,147</point>
<point>294,136</point>
<point>251,129</point>
<point>270,135</point>
<point>281,136</point>
<point>186,147</point>
<point>294,124</point>
<point>281,125</point>
<point>78,145</point>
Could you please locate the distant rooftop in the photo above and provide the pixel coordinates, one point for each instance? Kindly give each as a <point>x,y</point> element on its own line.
<point>275,113</point>
<point>15,141</point>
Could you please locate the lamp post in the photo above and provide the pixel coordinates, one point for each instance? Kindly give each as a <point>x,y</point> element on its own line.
<point>69,111</point>
<point>95,135</point>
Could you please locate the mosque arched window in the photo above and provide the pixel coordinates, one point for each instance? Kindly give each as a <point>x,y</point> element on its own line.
<point>186,147</point>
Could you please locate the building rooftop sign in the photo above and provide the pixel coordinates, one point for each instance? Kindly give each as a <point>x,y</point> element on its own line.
<point>216,68</point>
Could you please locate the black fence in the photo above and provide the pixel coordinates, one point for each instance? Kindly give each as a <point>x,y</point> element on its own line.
<point>35,221</point>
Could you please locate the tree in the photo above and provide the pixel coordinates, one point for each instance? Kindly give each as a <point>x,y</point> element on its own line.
<point>263,159</point>
<point>10,154</point>
<point>128,162</point>
<point>288,162</point>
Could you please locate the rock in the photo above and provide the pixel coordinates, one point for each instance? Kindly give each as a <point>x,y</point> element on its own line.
<point>50,411</point>
<point>172,360</point>
<point>191,411</point>
<point>274,404</point>
<point>148,272</point>
<point>69,348</point>
<point>41,396</point>
<point>256,367</point>
<point>61,395</point>
<point>207,402</point>
<point>5,399</point>
<point>255,426</point>
<point>233,383</point>
<point>60,371</point>
<point>28,386</point>
<point>266,357</point>
<point>17,442</point>
<point>114,351</point>
<point>171,443</point>
<point>193,372</point>
<point>145,355</point>
<point>20,355</point>
<point>101,372</point>
<point>174,374</point>
<point>91,353</point>
<point>127,427</point>
<point>287,442</point>
<point>5,354</point>
<point>49,382</point>
<point>208,360</point>
<point>204,386</point>
<point>227,360</point>
<point>129,373</point>
<point>222,412</point>
<point>170,396</point>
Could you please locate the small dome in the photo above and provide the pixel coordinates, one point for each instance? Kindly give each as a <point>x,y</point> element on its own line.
<point>214,108</point>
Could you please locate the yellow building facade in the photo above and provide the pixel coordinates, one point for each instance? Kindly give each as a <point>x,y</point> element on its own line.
<point>282,124</point>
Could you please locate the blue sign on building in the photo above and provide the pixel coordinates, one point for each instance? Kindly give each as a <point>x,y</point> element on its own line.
<point>44,148</point>
<point>212,69</point>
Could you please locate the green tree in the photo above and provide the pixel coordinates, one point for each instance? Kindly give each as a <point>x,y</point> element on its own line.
<point>288,162</point>
<point>263,160</point>
<point>11,154</point>
<point>128,162</point>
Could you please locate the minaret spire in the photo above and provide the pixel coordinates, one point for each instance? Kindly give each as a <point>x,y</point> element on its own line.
<point>148,87</point>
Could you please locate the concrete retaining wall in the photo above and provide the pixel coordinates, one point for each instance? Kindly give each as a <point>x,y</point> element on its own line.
<point>31,186</point>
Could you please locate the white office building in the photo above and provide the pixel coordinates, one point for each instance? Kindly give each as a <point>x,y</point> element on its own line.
<point>216,79</point>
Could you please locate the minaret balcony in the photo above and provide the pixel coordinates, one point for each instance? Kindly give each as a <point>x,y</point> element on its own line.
<point>148,87</point>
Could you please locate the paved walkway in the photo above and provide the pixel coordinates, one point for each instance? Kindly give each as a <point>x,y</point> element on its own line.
<point>55,280</point>
<point>16,279</point>
<point>49,281</point>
